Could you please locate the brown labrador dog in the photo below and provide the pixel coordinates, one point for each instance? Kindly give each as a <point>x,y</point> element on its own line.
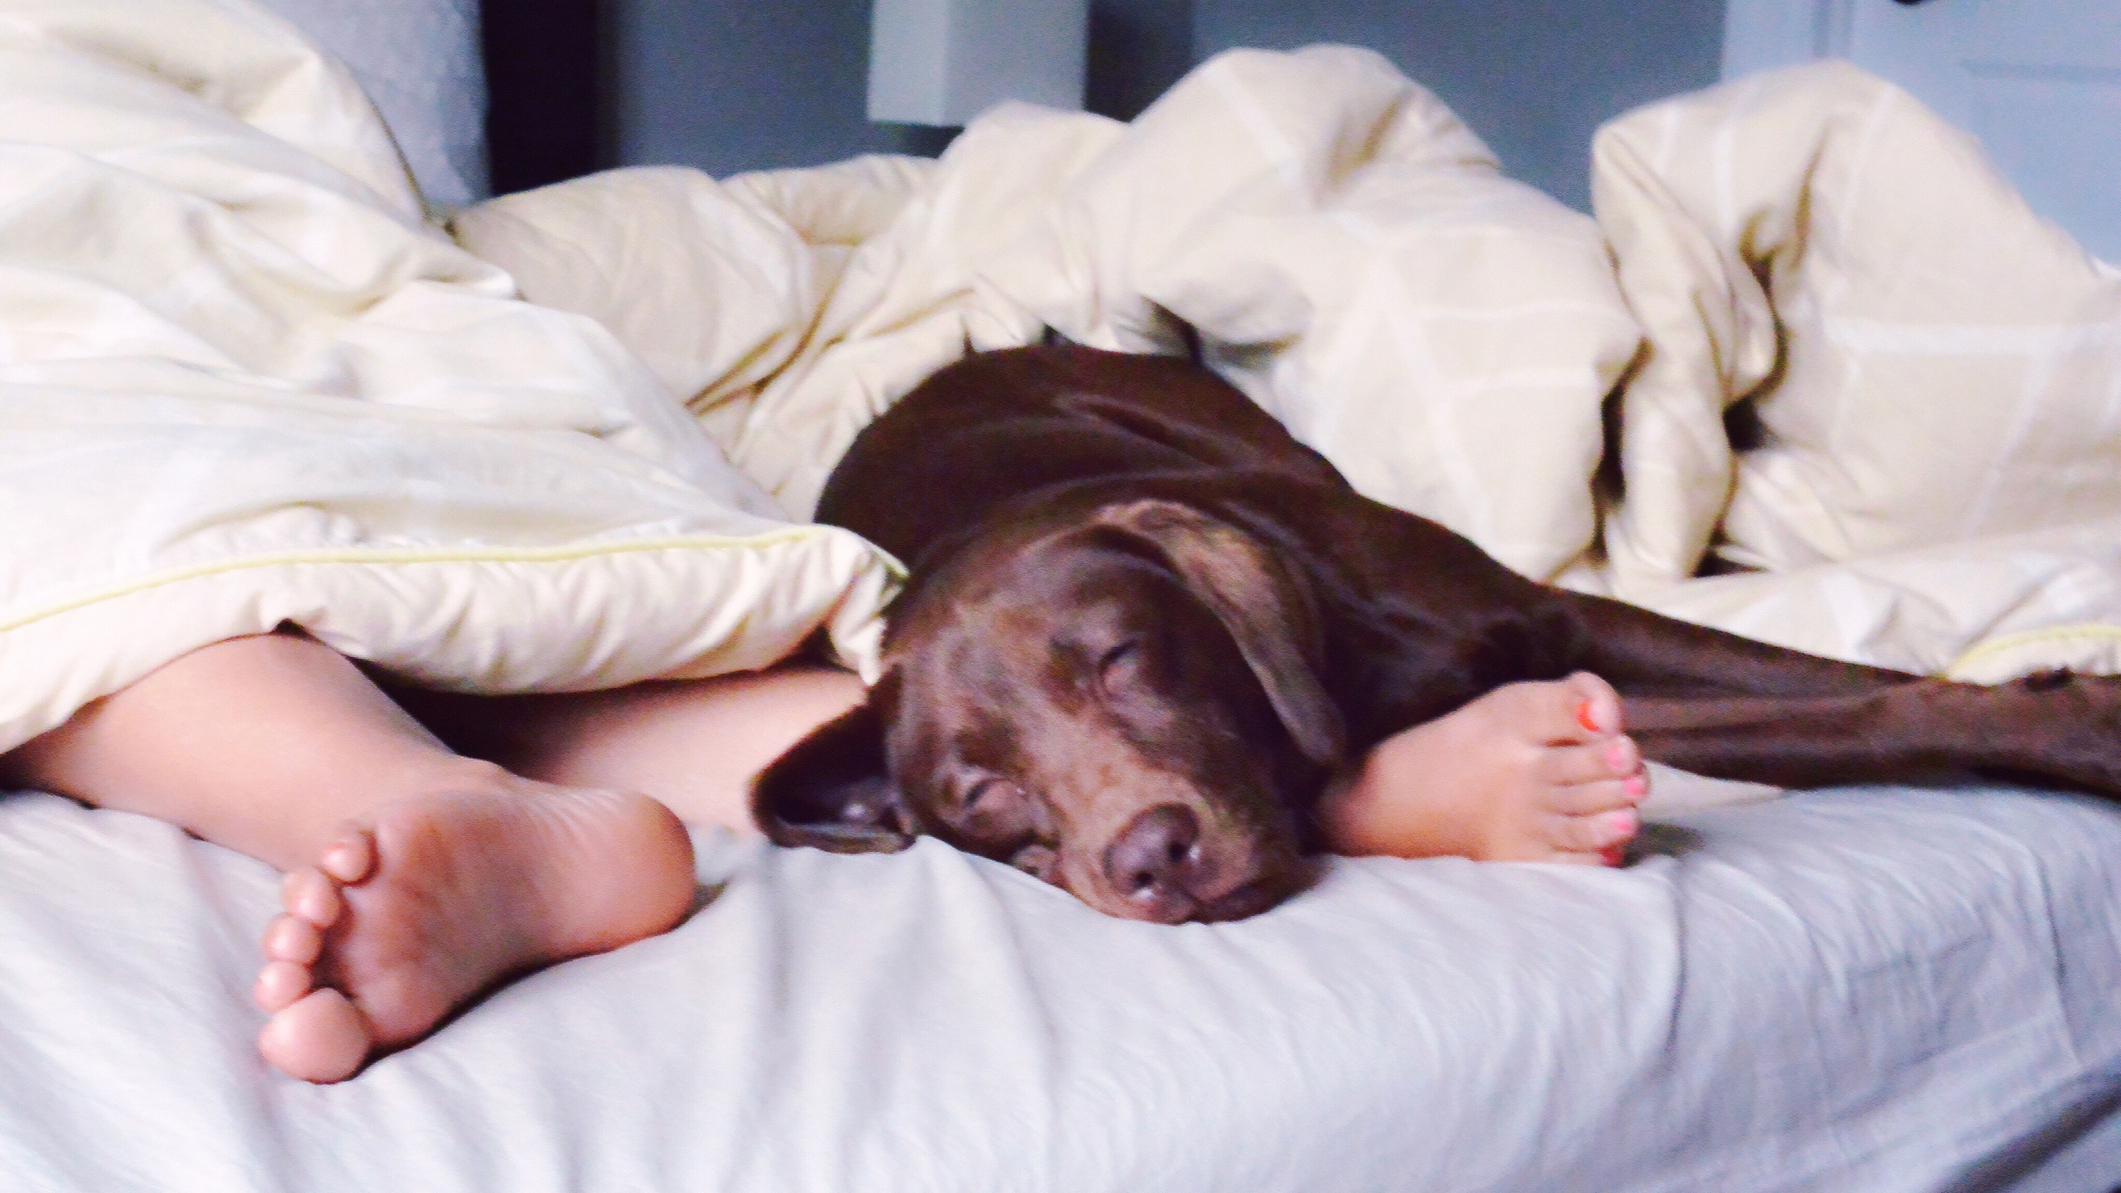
<point>1145,627</point>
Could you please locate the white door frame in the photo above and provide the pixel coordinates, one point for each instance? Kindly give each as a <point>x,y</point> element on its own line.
<point>1761,34</point>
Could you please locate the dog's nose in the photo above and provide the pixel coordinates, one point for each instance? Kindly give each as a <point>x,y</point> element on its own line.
<point>1154,858</point>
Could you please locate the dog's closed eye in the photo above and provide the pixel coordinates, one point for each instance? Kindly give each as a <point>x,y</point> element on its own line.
<point>1120,666</point>
<point>977,791</point>
<point>993,808</point>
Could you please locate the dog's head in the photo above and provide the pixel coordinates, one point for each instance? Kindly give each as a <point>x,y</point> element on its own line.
<point>1122,697</point>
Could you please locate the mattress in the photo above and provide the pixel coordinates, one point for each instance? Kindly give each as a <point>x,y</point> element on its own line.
<point>1873,990</point>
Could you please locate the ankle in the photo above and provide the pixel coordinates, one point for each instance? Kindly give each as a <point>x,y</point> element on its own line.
<point>456,774</point>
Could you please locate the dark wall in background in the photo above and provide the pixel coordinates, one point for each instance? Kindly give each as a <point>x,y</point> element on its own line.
<point>546,112</point>
<point>732,85</point>
<point>1138,48</point>
<point>1534,78</point>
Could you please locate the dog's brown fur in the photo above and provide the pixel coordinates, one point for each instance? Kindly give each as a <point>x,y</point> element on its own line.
<point>1145,627</point>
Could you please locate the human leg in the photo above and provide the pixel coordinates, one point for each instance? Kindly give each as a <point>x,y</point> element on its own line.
<point>417,877</point>
<point>695,745</point>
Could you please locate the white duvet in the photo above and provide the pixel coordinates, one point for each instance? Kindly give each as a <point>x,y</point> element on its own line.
<point>242,382</point>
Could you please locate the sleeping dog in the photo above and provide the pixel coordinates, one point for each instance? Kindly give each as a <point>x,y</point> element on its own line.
<point>1145,628</point>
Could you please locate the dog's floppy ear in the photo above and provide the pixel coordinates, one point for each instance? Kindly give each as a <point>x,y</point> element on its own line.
<point>833,789</point>
<point>1265,608</point>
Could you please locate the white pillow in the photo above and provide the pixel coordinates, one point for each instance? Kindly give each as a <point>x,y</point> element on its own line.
<point>418,60</point>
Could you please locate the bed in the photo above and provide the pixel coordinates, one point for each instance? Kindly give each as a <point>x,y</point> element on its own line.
<point>1865,989</point>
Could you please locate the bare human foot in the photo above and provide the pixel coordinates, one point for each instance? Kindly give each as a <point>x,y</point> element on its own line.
<point>1529,772</point>
<point>405,919</point>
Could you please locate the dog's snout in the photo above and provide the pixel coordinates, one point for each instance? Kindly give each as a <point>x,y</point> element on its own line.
<point>1154,858</point>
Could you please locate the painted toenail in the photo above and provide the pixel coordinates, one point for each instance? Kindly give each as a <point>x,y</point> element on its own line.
<point>1614,855</point>
<point>1637,785</point>
<point>1585,718</point>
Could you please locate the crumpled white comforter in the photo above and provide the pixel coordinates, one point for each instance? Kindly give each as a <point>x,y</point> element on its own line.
<point>242,382</point>
<point>1840,351</point>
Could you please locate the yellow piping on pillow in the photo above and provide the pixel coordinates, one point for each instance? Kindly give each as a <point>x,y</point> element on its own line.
<point>449,555</point>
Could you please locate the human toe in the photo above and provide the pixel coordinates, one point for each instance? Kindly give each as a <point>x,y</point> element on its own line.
<point>1596,832</point>
<point>280,984</point>
<point>319,1038</point>
<point>1611,759</point>
<point>292,938</point>
<point>351,858</point>
<point>1622,756</point>
<point>1576,801</point>
<point>310,894</point>
<point>1614,828</point>
<point>1594,707</point>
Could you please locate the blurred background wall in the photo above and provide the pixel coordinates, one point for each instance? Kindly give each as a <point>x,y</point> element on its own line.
<point>733,85</point>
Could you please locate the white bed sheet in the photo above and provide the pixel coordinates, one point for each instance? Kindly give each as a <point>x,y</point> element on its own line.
<point>1872,990</point>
